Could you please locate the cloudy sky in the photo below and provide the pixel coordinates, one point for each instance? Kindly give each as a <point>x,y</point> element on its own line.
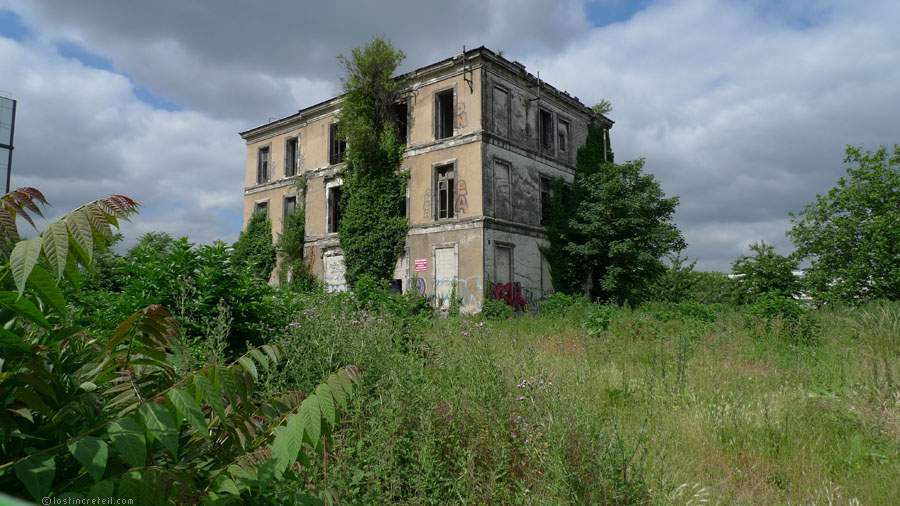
<point>742,108</point>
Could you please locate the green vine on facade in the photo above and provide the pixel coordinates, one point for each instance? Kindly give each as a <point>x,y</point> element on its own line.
<point>372,229</point>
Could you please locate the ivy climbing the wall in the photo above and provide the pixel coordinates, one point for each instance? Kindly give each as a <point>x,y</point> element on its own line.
<point>372,229</point>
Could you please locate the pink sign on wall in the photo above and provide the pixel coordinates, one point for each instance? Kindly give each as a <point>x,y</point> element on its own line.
<point>421,264</point>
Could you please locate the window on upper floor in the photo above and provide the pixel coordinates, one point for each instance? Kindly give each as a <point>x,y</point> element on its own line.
<point>261,207</point>
<point>291,156</point>
<point>444,189</point>
<point>290,203</point>
<point>500,109</point>
<point>545,198</point>
<point>400,113</point>
<point>545,129</point>
<point>333,209</point>
<point>562,134</point>
<point>336,145</point>
<point>262,165</point>
<point>443,114</point>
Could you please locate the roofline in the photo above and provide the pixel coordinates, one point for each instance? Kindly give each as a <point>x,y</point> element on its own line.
<point>481,51</point>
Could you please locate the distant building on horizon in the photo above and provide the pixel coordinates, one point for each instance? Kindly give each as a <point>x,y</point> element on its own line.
<point>484,138</point>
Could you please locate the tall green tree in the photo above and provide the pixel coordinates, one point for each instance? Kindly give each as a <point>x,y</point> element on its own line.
<point>851,235</point>
<point>764,272</point>
<point>372,230</point>
<point>611,229</point>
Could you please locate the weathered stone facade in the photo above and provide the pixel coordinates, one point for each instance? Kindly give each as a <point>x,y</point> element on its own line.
<point>484,138</point>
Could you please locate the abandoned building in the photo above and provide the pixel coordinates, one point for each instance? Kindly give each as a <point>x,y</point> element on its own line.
<point>484,138</point>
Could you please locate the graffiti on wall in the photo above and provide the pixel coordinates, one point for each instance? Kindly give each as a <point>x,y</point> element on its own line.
<point>334,274</point>
<point>418,284</point>
<point>459,118</point>
<point>468,291</point>
<point>511,293</point>
<point>462,203</point>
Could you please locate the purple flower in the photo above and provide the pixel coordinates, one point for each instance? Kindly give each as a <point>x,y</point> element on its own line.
<point>521,397</point>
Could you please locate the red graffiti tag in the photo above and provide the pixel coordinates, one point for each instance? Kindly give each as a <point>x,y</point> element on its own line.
<point>511,293</point>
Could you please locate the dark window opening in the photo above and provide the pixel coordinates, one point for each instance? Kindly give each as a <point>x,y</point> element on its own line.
<point>334,209</point>
<point>545,199</point>
<point>290,203</point>
<point>546,130</point>
<point>445,186</point>
<point>337,146</point>
<point>401,120</point>
<point>261,207</point>
<point>443,115</point>
<point>562,133</point>
<point>404,202</point>
<point>396,286</point>
<point>262,165</point>
<point>291,156</point>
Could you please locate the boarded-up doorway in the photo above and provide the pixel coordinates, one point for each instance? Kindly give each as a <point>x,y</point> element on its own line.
<point>446,272</point>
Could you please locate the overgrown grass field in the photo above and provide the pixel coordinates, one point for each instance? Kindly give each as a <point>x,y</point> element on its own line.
<point>664,404</point>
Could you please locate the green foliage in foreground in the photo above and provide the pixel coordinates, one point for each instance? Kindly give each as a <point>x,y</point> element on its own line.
<point>669,404</point>
<point>118,415</point>
<point>851,236</point>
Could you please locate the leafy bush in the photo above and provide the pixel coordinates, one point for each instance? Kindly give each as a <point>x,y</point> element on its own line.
<point>558,305</point>
<point>496,309</point>
<point>689,312</point>
<point>191,279</point>
<point>777,313</point>
<point>599,318</point>
<point>254,246</point>
<point>765,272</point>
<point>85,417</point>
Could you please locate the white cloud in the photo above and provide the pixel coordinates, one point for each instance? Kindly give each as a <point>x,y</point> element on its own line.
<point>81,134</point>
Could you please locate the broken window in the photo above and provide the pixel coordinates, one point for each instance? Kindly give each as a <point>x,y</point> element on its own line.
<point>445,186</point>
<point>400,113</point>
<point>291,156</point>
<point>334,209</point>
<point>562,133</point>
<point>337,146</point>
<point>501,190</point>
<point>545,199</point>
<point>443,115</point>
<point>545,121</point>
<point>262,165</point>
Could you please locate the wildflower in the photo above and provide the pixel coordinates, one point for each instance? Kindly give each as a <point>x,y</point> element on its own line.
<point>479,324</point>
<point>464,333</point>
<point>521,397</point>
<point>293,324</point>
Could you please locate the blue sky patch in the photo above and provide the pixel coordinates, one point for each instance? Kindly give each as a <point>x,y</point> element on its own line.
<point>145,96</point>
<point>74,51</point>
<point>604,12</point>
<point>11,26</point>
